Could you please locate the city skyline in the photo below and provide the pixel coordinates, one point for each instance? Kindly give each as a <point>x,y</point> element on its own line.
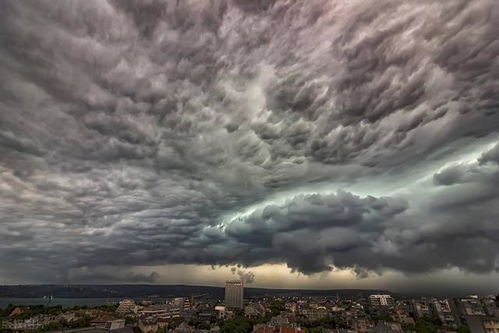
<point>299,144</point>
<point>353,312</point>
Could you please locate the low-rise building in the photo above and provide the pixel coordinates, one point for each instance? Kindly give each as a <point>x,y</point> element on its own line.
<point>262,328</point>
<point>387,327</point>
<point>107,323</point>
<point>443,311</point>
<point>362,325</point>
<point>491,306</point>
<point>403,317</point>
<point>482,324</point>
<point>421,308</point>
<point>254,310</point>
<point>148,325</point>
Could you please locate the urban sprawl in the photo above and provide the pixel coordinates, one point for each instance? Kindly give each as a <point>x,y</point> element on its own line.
<point>283,314</point>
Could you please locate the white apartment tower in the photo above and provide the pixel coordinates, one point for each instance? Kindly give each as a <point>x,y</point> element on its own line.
<point>380,300</point>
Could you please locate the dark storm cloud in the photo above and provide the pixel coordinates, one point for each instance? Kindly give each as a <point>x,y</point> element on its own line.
<point>482,170</point>
<point>106,275</point>
<point>143,133</point>
<point>308,231</point>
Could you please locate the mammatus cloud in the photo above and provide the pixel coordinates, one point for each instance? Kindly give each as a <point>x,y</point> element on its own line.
<point>319,134</point>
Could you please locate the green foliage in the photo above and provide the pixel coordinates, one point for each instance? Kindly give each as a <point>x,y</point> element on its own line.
<point>52,326</point>
<point>174,323</point>
<point>242,324</point>
<point>276,307</point>
<point>315,330</point>
<point>7,310</point>
<point>161,330</point>
<point>79,323</point>
<point>107,307</point>
<point>79,307</point>
<point>381,317</point>
<point>319,325</point>
<point>426,325</point>
<point>463,329</point>
<point>236,326</point>
<point>261,320</point>
<point>199,323</point>
<point>203,326</point>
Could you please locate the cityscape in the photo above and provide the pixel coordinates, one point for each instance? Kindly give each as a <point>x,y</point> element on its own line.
<point>362,312</point>
<point>249,166</point>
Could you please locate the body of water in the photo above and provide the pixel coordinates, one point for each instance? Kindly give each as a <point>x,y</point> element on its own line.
<point>65,302</point>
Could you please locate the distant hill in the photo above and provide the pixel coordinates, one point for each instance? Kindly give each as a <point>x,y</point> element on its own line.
<point>146,290</point>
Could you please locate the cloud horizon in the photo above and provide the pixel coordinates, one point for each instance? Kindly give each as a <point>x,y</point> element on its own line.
<point>321,136</point>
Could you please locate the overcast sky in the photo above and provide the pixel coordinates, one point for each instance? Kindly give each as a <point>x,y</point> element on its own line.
<point>311,144</point>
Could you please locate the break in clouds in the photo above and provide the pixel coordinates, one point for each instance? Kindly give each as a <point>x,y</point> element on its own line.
<point>345,134</point>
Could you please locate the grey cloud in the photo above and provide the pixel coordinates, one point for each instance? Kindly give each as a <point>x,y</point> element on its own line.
<point>449,176</point>
<point>105,275</point>
<point>246,276</point>
<point>482,170</point>
<point>310,230</point>
<point>490,156</point>
<point>130,133</point>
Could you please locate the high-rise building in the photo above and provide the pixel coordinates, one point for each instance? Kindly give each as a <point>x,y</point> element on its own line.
<point>234,294</point>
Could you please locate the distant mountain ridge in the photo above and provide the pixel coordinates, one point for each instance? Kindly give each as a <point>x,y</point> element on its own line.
<point>147,290</point>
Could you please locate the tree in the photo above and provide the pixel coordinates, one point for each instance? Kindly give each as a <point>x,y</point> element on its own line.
<point>52,326</point>
<point>161,330</point>
<point>426,325</point>
<point>463,329</point>
<point>276,307</point>
<point>235,327</point>
<point>8,309</point>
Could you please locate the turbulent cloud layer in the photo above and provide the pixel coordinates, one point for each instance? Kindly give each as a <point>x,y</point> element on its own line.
<point>320,134</point>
